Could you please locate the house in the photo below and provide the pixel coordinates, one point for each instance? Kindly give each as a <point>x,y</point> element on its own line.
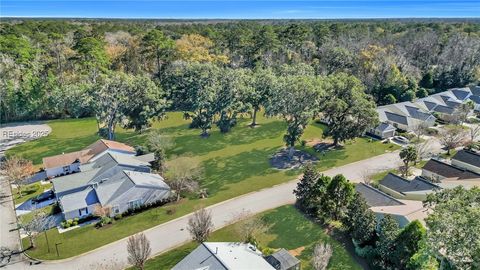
<point>403,211</point>
<point>445,104</point>
<point>113,180</point>
<point>438,171</point>
<point>383,131</point>
<point>401,188</point>
<point>229,255</point>
<point>123,191</point>
<point>67,163</point>
<point>405,116</point>
<point>467,159</point>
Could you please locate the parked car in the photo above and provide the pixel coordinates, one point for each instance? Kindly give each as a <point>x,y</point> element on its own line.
<point>43,197</point>
<point>401,139</point>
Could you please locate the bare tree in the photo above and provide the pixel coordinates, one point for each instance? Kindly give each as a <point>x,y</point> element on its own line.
<point>101,211</point>
<point>420,130</point>
<point>139,250</point>
<point>250,227</point>
<point>474,131</point>
<point>200,225</point>
<point>16,170</point>
<point>159,144</point>
<point>321,256</point>
<point>40,222</point>
<point>366,176</point>
<point>183,175</point>
<point>452,137</point>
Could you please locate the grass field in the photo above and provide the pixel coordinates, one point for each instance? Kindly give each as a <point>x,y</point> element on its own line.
<point>234,163</point>
<point>288,229</point>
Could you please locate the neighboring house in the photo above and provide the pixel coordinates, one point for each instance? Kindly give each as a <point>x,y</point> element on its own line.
<point>438,171</point>
<point>383,131</point>
<point>423,111</point>
<point>467,159</point>
<point>401,188</point>
<point>282,260</point>
<point>68,163</point>
<point>227,255</point>
<point>113,180</point>
<point>403,211</point>
<point>405,115</point>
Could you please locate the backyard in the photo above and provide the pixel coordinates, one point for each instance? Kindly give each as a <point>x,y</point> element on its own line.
<point>287,228</point>
<point>234,163</point>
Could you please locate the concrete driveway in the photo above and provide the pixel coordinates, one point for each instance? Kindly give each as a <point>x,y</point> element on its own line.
<point>172,234</point>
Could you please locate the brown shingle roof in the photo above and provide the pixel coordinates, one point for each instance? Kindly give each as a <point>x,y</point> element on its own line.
<point>86,154</point>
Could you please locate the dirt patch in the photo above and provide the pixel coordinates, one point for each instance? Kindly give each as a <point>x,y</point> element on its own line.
<point>281,159</point>
<point>296,252</point>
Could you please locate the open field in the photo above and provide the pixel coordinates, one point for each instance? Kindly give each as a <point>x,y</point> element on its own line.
<point>234,163</point>
<point>287,228</point>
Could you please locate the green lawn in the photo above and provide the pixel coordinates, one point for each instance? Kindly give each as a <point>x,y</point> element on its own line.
<point>29,191</point>
<point>288,229</point>
<point>235,163</point>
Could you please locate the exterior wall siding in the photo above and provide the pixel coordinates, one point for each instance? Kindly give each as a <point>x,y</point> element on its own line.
<point>464,165</point>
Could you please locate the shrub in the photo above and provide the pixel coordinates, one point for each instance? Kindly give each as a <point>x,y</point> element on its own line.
<point>171,211</point>
<point>432,131</point>
<point>303,143</point>
<point>118,216</point>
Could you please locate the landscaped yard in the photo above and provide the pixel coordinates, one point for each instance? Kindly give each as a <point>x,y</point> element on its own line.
<point>235,163</point>
<point>29,191</point>
<point>288,229</point>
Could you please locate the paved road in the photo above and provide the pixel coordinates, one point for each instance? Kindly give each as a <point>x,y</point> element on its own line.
<point>172,234</point>
<point>9,237</point>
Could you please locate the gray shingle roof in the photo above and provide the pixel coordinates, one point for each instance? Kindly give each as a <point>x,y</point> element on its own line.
<point>402,185</point>
<point>375,197</point>
<point>396,118</point>
<point>468,157</point>
<point>444,109</point>
<point>385,127</point>
<point>75,180</point>
<point>461,94</point>
<point>78,200</point>
<point>449,171</point>
<point>282,260</point>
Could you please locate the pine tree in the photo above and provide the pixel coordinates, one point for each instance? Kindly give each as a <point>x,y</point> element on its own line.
<point>305,187</point>
<point>360,221</point>
<point>386,245</point>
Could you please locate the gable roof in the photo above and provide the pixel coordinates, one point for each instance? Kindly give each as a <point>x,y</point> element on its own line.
<point>461,93</point>
<point>282,260</point>
<point>375,197</point>
<point>449,171</point>
<point>469,157</point>
<point>102,168</point>
<point>397,118</point>
<point>85,154</point>
<point>385,127</point>
<point>78,200</point>
<point>224,255</point>
<point>124,181</point>
<point>402,185</point>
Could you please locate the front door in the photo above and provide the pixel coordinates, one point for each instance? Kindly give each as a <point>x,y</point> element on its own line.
<point>83,211</point>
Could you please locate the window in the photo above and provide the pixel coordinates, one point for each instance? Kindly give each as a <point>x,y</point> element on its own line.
<point>134,204</point>
<point>115,209</point>
<point>66,169</point>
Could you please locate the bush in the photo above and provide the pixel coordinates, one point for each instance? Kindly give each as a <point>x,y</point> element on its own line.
<point>118,217</point>
<point>303,143</point>
<point>171,211</point>
<point>432,131</point>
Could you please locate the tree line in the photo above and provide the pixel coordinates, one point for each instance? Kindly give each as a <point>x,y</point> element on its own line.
<point>54,68</point>
<point>449,240</point>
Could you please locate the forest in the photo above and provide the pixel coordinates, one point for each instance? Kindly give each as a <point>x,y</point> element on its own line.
<point>215,70</point>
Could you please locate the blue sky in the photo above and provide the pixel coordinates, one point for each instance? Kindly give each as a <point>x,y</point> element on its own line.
<point>235,9</point>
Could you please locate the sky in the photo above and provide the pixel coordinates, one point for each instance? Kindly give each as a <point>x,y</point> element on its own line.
<point>241,9</point>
